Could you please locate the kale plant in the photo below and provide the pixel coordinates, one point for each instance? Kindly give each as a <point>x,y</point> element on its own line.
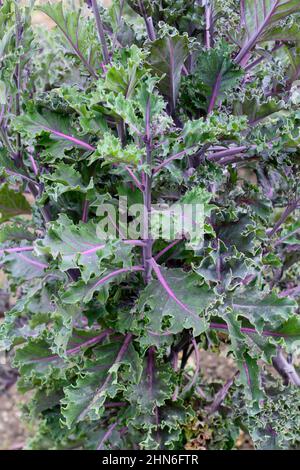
<point>152,104</point>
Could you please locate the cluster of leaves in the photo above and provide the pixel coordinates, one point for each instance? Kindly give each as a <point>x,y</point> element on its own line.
<point>158,101</point>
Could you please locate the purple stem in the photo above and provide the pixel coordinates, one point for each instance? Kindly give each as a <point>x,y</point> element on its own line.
<point>147,251</point>
<point>197,369</point>
<point>117,29</point>
<point>148,21</point>
<point>244,52</point>
<point>246,369</point>
<point>134,242</point>
<point>288,210</point>
<point>222,326</point>
<point>33,164</point>
<point>208,16</point>
<point>135,179</point>
<point>70,138</point>
<point>19,175</point>
<point>92,250</point>
<point>261,58</point>
<point>107,435</point>
<point>221,395</point>
<point>237,159</point>
<point>119,357</point>
<point>87,146</point>
<point>226,153</point>
<point>285,369</point>
<point>2,113</point>
<point>116,273</point>
<point>115,404</point>
<point>75,350</point>
<point>19,32</point>
<point>18,249</point>
<point>100,31</point>
<point>215,92</point>
<point>293,292</point>
<point>85,211</point>
<point>168,289</point>
<point>32,262</point>
<point>167,248</point>
<point>76,49</point>
<point>288,235</point>
<point>176,156</point>
<point>89,342</point>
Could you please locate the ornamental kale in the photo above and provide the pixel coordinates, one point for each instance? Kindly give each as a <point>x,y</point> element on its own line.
<point>149,208</point>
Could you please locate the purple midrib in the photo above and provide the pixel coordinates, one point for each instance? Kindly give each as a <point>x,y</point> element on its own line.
<point>76,141</point>
<point>251,41</point>
<point>74,350</point>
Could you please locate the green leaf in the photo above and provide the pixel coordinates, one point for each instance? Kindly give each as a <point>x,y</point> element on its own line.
<point>54,131</point>
<point>12,204</point>
<point>166,57</point>
<point>213,128</point>
<point>79,246</point>
<point>153,389</point>
<point>250,378</point>
<point>235,267</point>
<point>25,266</point>
<point>15,232</point>
<point>99,381</point>
<point>162,315</point>
<point>65,179</point>
<point>262,310</point>
<point>111,150</point>
<point>83,292</point>
<point>259,16</point>
<point>124,76</point>
<point>76,30</point>
<point>218,74</point>
<point>37,360</point>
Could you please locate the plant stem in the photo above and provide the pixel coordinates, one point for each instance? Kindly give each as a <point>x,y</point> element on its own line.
<point>250,331</point>
<point>286,370</point>
<point>100,31</point>
<point>288,210</point>
<point>18,33</point>
<point>16,249</point>
<point>176,156</point>
<point>216,156</point>
<point>135,179</point>
<point>148,21</point>
<point>69,352</point>
<point>107,435</point>
<point>85,211</point>
<point>33,163</point>
<point>197,369</point>
<point>147,251</point>
<point>292,292</point>
<point>221,395</point>
<point>208,17</point>
<point>119,357</point>
<point>167,248</point>
<point>116,273</point>
<point>76,50</point>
